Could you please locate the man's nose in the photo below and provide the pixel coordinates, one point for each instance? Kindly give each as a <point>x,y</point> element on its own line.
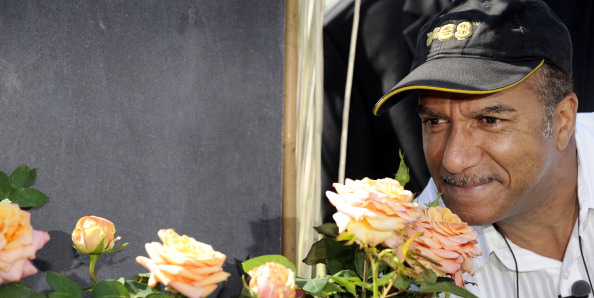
<point>462,150</point>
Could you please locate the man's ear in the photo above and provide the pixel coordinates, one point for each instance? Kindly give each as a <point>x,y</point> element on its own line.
<point>565,116</point>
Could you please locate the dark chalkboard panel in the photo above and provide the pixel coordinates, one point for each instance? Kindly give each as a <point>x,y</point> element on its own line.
<point>153,114</point>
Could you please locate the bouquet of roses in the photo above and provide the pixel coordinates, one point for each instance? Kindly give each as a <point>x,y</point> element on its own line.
<point>385,245</point>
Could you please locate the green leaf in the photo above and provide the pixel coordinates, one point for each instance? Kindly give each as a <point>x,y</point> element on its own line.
<point>134,287</point>
<point>157,295</point>
<point>360,264</point>
<point>18,290</point>
<point>429,276</point>
<point>58,295</point>
<point>403,175</point>
<point>143,278</point>
<point>339,256</point>
<point>348,280</point>
<point>23,177</point>
<point>384,280</point>
<point>239,267</point>
<point>402,282</point>
<point>328,230</point>
<point>330,289</point>
<point>261,260</point>
<point>5,187</point>
<point>317,253</point>
<point>319,286</point>
<point>365,285</point>
<point>137,289</point>
<point>110,289</point>
<point>347,274</point>
<point>28,197</point>
<point>448,287</point>
<point>434,203</point>
<point>63,286</point>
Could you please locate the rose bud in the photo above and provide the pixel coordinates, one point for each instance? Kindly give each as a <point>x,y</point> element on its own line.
<point>94,235</point>
<point>272,280</point>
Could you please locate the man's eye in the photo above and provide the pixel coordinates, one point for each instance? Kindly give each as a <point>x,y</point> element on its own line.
<point>490,120</point>
<point>432,121</point>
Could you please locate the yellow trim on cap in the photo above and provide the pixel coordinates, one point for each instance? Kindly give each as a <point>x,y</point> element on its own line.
<point>389,95</point>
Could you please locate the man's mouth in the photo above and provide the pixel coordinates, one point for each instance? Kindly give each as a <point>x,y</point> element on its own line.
<point>463,181</point>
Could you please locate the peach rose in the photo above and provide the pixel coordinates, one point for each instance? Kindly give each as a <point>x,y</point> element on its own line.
<point>189,267</point>
<point>94,235</point>
<point>374,210</point>
<point>446,240</point>
<point>272,280</point>
<point>18,243</point>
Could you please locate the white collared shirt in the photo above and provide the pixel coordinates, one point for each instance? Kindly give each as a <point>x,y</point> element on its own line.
<point>538,276</point>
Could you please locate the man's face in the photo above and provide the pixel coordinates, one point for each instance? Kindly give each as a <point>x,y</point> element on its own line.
<point>487,154</point>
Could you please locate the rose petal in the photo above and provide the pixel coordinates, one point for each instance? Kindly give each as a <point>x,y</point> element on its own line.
<point>193,292</point>
<point>368,235</point>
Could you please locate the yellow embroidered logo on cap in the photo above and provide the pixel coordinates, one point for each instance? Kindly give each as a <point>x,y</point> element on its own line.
<point>432,35</point>
<point>463,30</point>
<point>446,32</point>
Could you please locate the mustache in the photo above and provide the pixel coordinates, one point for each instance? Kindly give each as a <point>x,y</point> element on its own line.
<point>463,180</point>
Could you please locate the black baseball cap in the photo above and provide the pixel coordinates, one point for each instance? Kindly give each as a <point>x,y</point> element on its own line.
<point>482,47</point>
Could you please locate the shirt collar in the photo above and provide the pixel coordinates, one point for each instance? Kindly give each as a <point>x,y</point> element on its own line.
<point>493,245</point>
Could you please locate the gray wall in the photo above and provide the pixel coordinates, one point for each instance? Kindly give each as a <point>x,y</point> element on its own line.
<point>153,114</point>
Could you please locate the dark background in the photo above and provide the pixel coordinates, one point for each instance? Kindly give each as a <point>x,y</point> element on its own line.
<point>152,114</point>
<point>385,49</point>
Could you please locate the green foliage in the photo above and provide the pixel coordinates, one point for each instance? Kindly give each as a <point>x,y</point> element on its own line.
<point>446,287</point>
<point>317,253</point>
<point>434,203</point>
<point>122,288</point>
<point>5,186</point>
<point>402,281</point>
<point>327,229</point>
<point>23,177</point>
<point>110,289</point>
<point>63,287</point>
<point>319,286</point>
<point>351,273</point>
<point>18,290</point>
<point>261,260</point>
<point>403,173</point>
<point>348,280</point>
<point>17,188</point>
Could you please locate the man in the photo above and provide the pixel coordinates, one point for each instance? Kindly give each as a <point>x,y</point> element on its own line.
<point>504,144</point>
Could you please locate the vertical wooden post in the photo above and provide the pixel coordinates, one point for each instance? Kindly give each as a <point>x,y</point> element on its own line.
<point>289,220</point>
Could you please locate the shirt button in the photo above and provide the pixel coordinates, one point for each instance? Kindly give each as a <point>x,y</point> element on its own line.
<point>566,275</point>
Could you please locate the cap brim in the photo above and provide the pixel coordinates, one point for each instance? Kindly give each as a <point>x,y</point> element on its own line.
<point>459,75</point>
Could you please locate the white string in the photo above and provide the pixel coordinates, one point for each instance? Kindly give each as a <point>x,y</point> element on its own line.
<point>347,93</point>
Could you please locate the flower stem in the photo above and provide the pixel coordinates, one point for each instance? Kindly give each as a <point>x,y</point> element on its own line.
<point>92,267</point>
<point>374,274</point>
<point>364,292</point>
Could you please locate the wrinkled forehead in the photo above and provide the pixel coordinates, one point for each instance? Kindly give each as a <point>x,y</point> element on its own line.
<point>518,100</point>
